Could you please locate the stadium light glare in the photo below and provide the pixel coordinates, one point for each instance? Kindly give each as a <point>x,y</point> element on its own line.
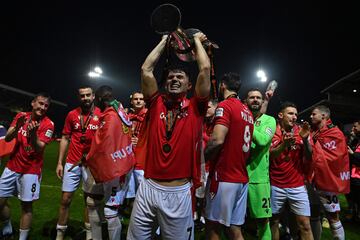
<point>260,74</point>
<point>354,90</point>
<point>98,70</point>
<point>93,74</point>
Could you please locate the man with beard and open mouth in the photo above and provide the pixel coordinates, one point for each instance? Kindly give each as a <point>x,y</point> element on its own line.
<point>170,144</point>
<point>288,154</point>
<point>79,129</point>
<point>258,165</point>
<point>22,174</point>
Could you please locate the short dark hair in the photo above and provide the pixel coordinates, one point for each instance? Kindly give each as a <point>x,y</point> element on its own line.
<point>133,93</point>
<point>285,105</point>
<point>105,93</point>
<point>254,90</point>
<point>44,95</point>
<point>324,109</point>
<point>232,81</point>
<point>85,86</point>
<point>178,68</point>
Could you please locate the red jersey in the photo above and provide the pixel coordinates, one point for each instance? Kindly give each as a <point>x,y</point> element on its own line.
<point>73,128</point>
<point>176,156</point>
<point>137,119</point>
<point>137,122</point>
<point>230,165</point>
<point>355,170</point>
<point>286,170</point>
<point>208,128</point>
<point>24,158</point>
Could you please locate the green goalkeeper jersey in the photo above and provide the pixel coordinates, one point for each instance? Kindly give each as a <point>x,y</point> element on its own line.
<point>258,164</point>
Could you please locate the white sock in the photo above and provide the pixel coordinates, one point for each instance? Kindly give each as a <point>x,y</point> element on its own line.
<point>23,234</point>
<point>88,231</point>
<point>60,231</point>
<point>7,227</point>
<point>114,228</point>
<point>337,231</point>
<point>95,223</point>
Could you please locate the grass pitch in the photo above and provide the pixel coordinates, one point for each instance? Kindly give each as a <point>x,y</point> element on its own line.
<point>45,210</point>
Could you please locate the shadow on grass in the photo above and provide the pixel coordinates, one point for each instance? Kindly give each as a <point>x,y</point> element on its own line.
<point>74,231</point>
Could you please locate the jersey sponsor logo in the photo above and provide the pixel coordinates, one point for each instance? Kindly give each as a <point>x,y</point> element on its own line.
<point>330,145</point>
<point>122,153</point>
<point>76,126</point>
<point>345,175</point>
<point>219,112</point>
<point>269,131</point>
<point>93,127</point>
<point>23,132</point>
<point>49,133</point>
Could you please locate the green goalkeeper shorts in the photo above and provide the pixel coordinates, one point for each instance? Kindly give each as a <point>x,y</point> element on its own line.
<point>259,201</point>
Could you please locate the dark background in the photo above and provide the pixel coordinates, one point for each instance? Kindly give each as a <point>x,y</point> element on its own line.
<point>304,46</point>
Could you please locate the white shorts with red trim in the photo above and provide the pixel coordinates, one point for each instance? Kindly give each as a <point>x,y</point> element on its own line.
<point>114,191</point>
<point>228,205</point>
<point>330,201</point>
<point>137,176</point>
<point>296,197</point>
<point>25,186</point>
<point>71,180</point>
<point>169,208</point>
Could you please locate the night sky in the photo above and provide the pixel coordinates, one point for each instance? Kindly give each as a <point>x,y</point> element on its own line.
<point>305,47</point>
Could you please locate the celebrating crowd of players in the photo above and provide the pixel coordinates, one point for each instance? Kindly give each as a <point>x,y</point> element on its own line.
<point>184,159</point>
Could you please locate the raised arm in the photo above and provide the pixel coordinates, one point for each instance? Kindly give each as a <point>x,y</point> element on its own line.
<point>148,81</point>
<point>268,95</point>
<point>202,87</point>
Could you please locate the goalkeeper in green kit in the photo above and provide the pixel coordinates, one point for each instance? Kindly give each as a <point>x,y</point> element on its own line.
<point>258,165</point>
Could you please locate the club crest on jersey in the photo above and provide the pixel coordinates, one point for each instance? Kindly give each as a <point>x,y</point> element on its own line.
<point>257,123</point>
<point>96,118</point>
<point>219,112</point>
<point>125,128</point>
<point>28,148</point>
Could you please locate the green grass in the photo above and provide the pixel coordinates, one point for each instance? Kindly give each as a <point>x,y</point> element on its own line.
<point>46,209</point>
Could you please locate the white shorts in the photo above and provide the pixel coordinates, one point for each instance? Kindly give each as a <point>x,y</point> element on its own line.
<point>297,198</point>
<point>114,191</point>
<point>25,186</point>
<point>136,177</point>
<point>71,180</point>
<point>169,208</point>
<point>330,201</point>
<point>228,207</point>
<point>200,191</point>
